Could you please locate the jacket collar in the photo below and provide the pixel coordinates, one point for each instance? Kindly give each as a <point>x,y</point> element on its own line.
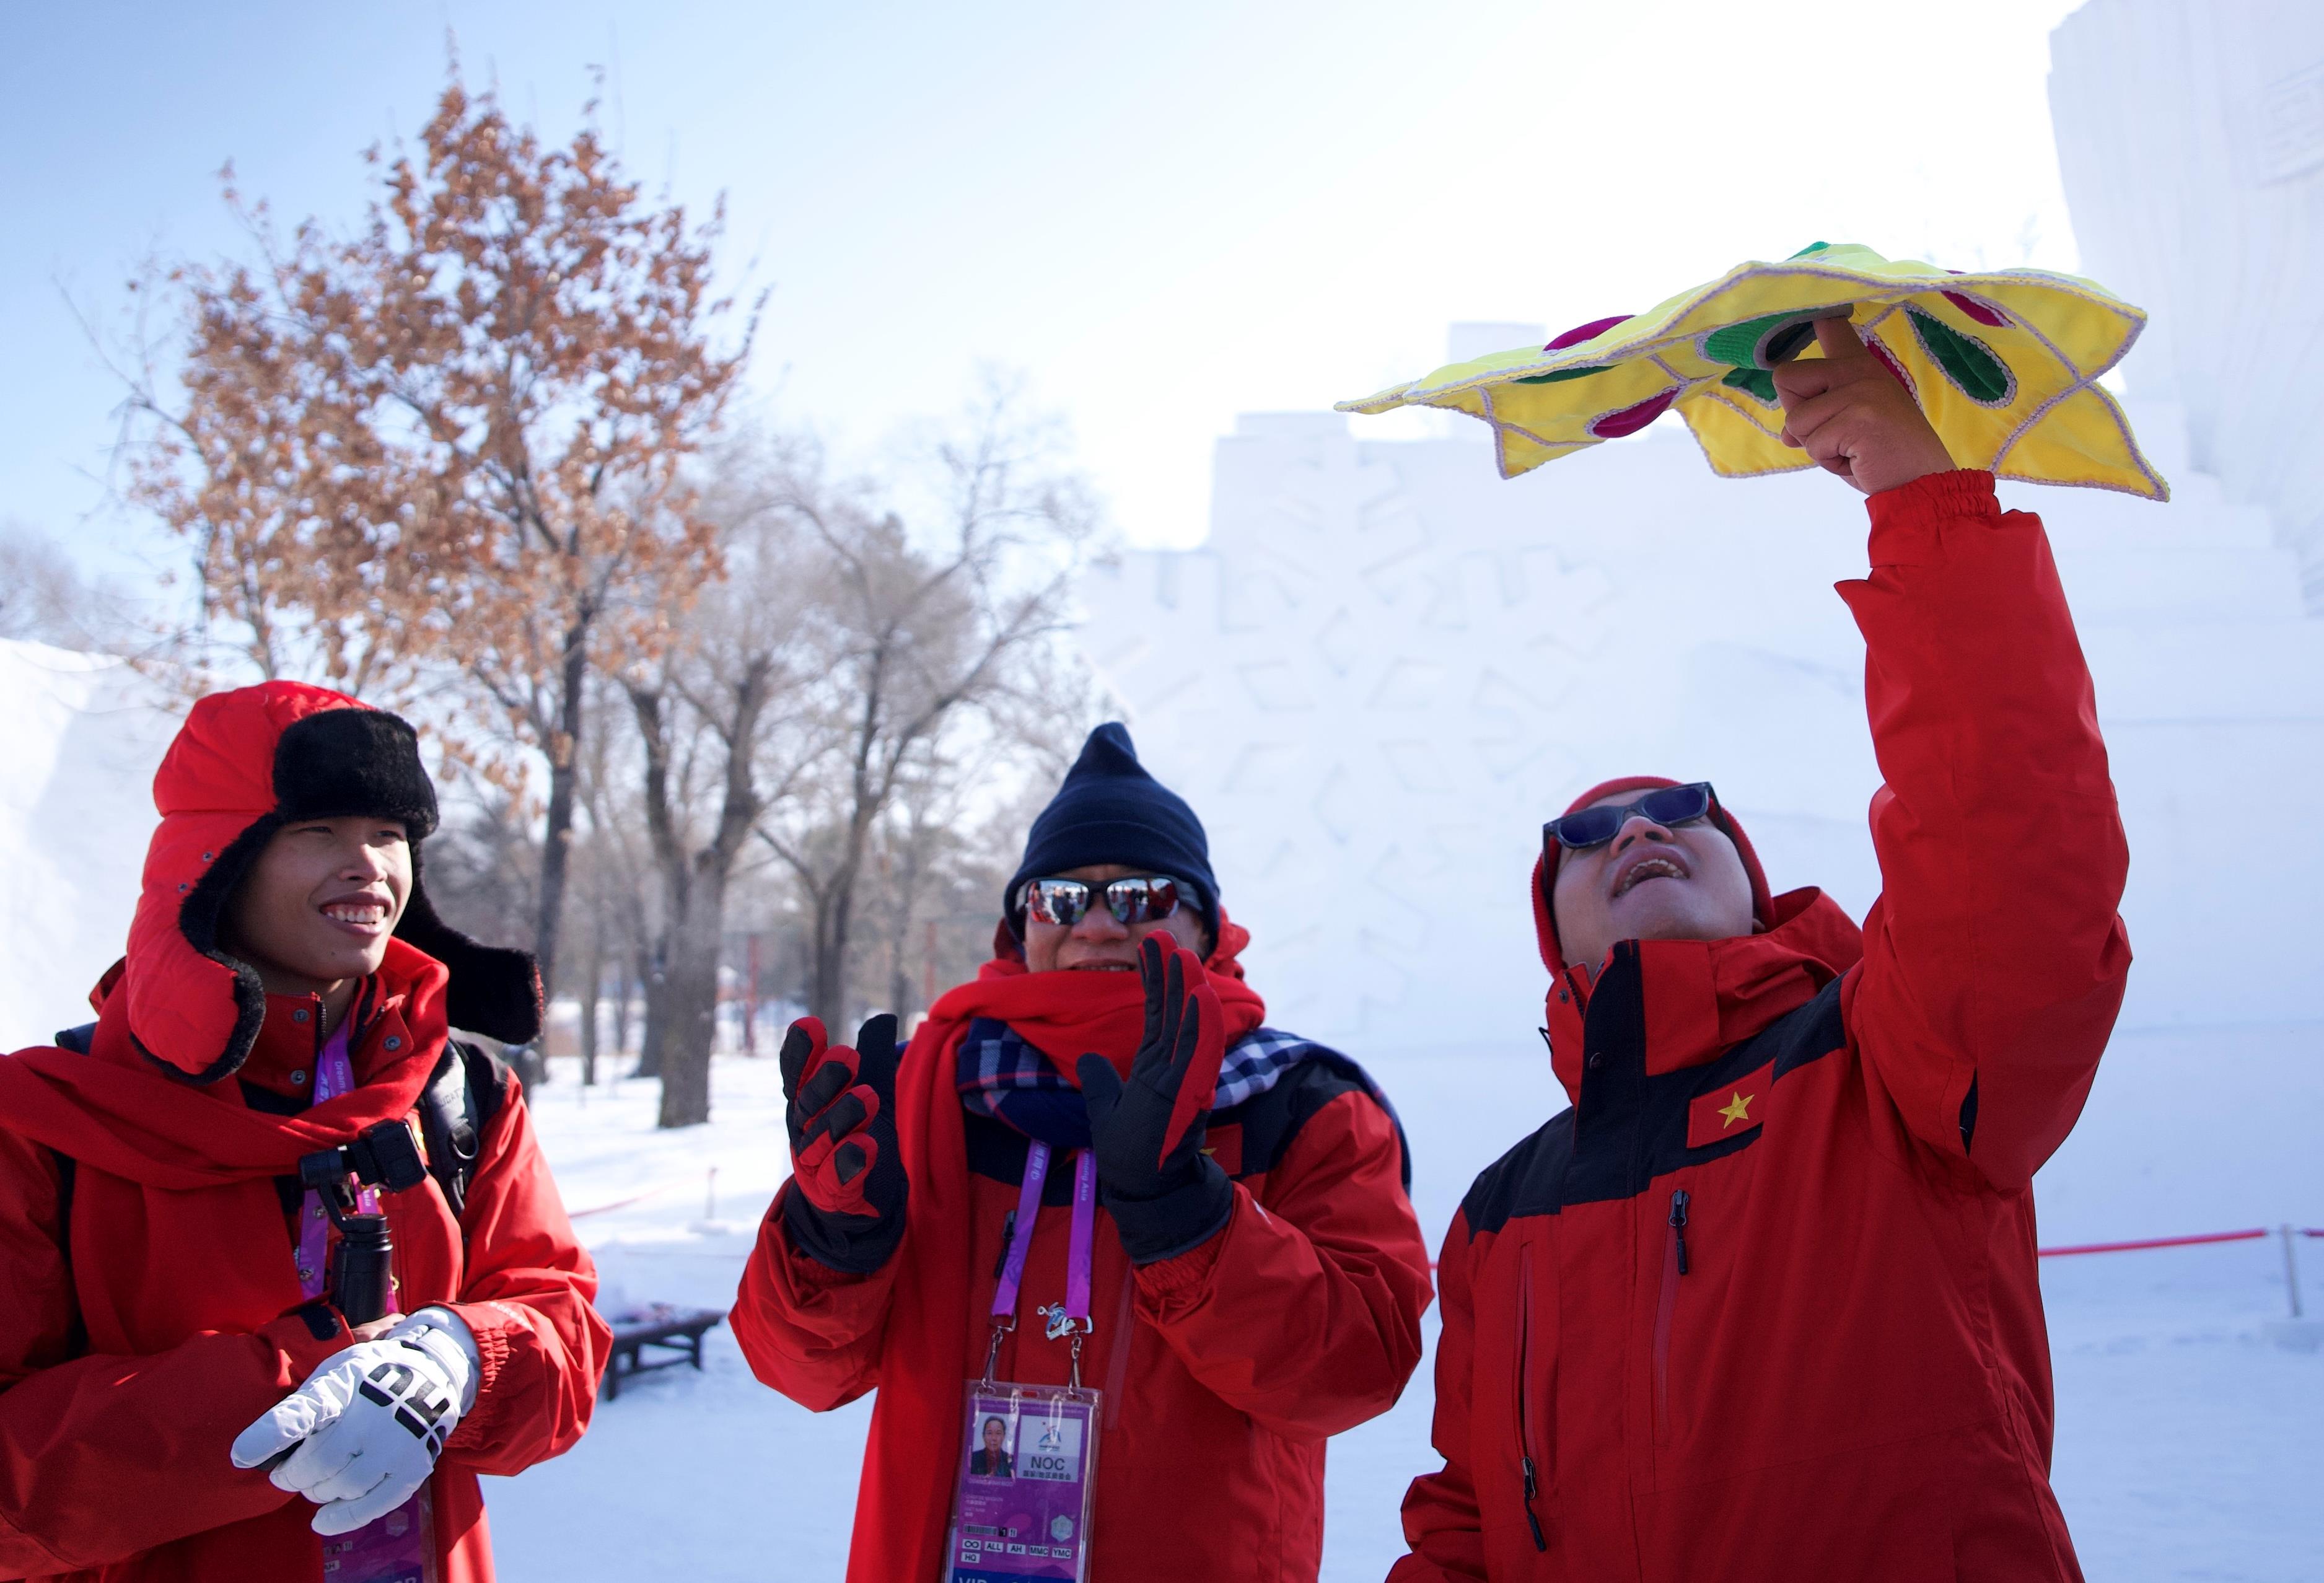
<point>1704,996</point>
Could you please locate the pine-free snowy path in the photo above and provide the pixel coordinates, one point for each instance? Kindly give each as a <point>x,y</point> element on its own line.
<point>2187,1446</point>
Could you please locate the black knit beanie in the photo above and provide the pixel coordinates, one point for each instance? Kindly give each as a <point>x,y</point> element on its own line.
<point>1110,810</point>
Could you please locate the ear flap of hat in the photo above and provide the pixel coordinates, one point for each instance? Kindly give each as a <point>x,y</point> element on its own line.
<point>496,991</point>
<point>185,1024</point>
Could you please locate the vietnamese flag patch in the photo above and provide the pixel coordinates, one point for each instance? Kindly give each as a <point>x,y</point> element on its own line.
<point>1731,1109</point>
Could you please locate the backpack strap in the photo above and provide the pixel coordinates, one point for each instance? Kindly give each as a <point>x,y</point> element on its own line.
<point>79,1041</point>
<point>466,1093</point>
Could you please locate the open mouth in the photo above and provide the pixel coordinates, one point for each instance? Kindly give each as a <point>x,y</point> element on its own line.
<point>360,917</point>
<point>1103,967</point>
<point>1648,868</point>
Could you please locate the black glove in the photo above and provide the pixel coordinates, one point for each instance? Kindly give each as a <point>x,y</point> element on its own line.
<point>1166,1195</point>
<point>845,1208</point>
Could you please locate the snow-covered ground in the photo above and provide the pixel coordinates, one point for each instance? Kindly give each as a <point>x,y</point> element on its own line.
<point>2188,1447</point>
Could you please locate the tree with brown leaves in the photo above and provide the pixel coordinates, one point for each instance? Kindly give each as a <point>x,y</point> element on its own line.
<point>427,463</point>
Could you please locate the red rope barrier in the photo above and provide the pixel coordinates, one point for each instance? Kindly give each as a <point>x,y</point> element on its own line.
<point>2153,1242</point>
<point>618,1203</point>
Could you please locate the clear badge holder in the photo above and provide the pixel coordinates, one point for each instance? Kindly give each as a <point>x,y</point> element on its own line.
<point>1020,1507</point>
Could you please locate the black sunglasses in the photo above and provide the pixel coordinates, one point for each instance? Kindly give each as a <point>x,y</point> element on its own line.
<point>1667,805</point>
<point>1146,899</point>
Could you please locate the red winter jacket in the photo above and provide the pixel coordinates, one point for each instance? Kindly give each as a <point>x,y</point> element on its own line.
<point>152,1309</point>
<point>1224,1369</point>
<point>1763,1305</point>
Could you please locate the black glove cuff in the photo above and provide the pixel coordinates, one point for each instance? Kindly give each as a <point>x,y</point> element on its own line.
<point>1176,1221</point>
<point>853,1245</point>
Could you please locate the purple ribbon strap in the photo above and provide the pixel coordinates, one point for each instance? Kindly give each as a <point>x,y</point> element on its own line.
<point>1073,1314</point>
<point>335,1074</point>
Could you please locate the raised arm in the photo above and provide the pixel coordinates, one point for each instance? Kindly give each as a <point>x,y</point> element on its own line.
<point>812,1310</point>
<point>1994,959</point>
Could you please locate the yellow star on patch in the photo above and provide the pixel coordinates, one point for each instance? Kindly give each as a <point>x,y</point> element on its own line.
<point>1739,1109</point>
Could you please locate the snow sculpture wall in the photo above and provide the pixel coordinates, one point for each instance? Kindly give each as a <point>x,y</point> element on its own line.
<point>1388,667</point>
<point>2190,135</point>
<point>85,734</point>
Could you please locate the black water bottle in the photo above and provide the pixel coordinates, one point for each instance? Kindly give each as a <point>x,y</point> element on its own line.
<point>362,1285</point>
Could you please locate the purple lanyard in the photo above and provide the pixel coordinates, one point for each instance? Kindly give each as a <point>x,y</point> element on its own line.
<point>1071,1316</point>
<point>335,1074</point>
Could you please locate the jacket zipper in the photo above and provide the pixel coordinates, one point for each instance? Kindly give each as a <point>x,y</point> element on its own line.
<point>1674,1270</point>
<point>1525,1423</point>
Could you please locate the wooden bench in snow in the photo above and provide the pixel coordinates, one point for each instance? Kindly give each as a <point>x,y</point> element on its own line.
<point>674,1334</point>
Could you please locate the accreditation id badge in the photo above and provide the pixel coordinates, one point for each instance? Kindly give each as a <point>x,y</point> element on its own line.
<point>1021,1508</point>
<point>398,1548</point>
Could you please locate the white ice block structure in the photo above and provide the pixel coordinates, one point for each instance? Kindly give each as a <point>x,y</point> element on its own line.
<point>2190,136</point>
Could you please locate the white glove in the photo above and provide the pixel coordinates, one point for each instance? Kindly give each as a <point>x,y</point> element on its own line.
<point>362,1432</point>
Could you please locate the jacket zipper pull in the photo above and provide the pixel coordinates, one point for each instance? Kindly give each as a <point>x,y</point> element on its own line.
<point>1532,1487</point>
<point>1678,1226</point>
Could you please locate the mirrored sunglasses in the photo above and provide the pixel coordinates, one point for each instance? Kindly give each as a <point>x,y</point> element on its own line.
<point>1668,807</point>
<point>1145,899</point>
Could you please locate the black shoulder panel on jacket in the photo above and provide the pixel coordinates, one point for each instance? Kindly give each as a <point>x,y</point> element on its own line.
<point>1269,1122</point>
<point>1637,1122</point>
<point>1525,1181</point>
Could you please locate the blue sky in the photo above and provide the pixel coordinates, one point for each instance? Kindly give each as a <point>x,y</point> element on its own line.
<point>1163,215</point>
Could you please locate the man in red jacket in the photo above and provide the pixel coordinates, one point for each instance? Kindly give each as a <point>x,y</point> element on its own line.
<point>1254,1285</point>
<point>193,1384</point>
<point>1763,1303</point>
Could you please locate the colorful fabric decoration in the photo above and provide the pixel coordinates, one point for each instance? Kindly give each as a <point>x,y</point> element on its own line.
<point>2005,362</point>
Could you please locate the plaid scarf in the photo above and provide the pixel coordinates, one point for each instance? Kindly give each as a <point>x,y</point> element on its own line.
<point>1001,1076</point>
<point>1018,1086</point>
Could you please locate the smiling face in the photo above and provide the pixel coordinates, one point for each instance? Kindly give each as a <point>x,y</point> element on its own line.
<point>314,914</point>
<point>1098,943</point>
<point>1650,882</point>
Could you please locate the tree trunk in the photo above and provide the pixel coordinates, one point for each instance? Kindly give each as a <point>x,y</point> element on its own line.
<point>907,896</point>
<point>591,976</point>
<point>557,845</point>
<point>632,971</point>
<point>690,997</point>
<point>834,918</point>
<point>657,1020</point>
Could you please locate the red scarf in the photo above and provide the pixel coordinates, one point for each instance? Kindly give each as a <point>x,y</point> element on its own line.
<point>176,1226</point>
<point>932,1345</point>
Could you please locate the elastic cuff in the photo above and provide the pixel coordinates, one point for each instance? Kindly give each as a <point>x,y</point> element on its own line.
<point>488,1328</point>
<point>1965,491</point>
<point>1166,1282</point>
<point>806,1270</point>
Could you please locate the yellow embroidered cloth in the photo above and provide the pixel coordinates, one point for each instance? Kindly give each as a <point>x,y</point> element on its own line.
<point>2005,362</point>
